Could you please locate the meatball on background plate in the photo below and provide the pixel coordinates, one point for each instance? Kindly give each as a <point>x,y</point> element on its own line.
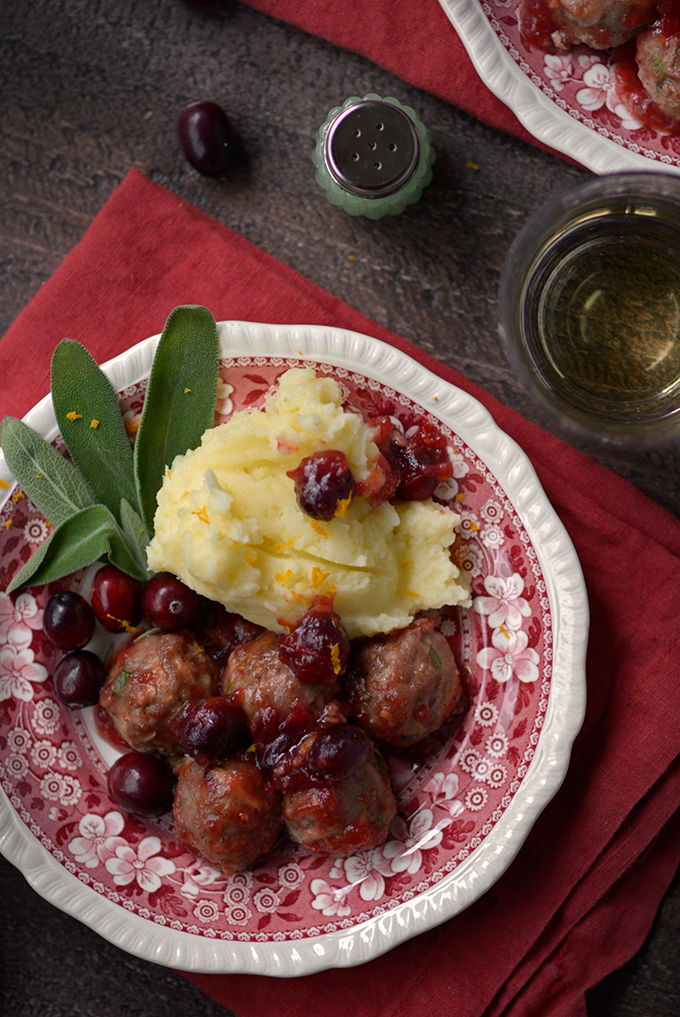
<point>566,99</point>
<point>415,833</point>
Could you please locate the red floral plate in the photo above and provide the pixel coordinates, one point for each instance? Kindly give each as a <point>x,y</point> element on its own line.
<point>465,804</point>
<point>567,100</point>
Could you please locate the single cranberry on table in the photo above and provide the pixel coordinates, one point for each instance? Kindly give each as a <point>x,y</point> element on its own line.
<point>209,728</point>
<point>208,139</point>
<point>68,620</point>
<point>317,649</point>
<point>142,784</point>
<point>167,603</point>
<point>324,485</point>
<point>78,678</point>
<point>116,599</point>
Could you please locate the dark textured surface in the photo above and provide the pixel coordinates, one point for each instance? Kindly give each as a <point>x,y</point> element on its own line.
<point>91,87</point>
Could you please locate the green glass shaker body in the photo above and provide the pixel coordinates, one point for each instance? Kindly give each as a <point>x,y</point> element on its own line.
<point>373,156</point>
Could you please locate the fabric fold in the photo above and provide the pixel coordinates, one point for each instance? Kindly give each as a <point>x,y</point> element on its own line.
<point>391,31</point>
<point>646,838</point>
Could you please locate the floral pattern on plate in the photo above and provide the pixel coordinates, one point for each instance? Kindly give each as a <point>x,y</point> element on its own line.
<point>582,84</point>
<point>451,790</point>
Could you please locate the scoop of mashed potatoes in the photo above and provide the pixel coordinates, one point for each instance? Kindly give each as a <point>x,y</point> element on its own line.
<point>229,525</point>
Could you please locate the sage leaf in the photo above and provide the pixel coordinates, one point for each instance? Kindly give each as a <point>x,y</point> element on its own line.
<point>121,554</point>
<point>180,400</point>
<point>52,483</point>
<point>78,541</point>
<point>136,534</point>
<point>89,418</point>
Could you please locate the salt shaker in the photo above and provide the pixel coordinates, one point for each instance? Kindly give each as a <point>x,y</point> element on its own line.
<point>373,156</point>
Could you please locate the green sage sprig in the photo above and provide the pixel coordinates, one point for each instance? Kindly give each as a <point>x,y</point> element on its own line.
<point>88,417</point>
<point>103,504</point>
<point>180,400</point>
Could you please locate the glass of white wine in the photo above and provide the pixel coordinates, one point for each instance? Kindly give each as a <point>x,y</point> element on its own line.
<point>589,308</point>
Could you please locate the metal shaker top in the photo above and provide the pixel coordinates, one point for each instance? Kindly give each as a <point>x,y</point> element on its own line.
<point>372,148</point>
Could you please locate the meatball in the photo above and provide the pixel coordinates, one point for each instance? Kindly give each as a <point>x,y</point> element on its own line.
<point>405,684</point>
<point>658,60</point>
<point>219,631</point>
<point>223,812</point>
<point>345,816</point>
<point>267,689</point>
<point>149,682</point>
<point>602,24</point>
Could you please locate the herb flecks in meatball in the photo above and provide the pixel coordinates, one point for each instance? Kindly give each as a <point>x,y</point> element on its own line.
<point>223,812</point>
<point>658,60</point>
<point>149,682</point>
<point>404,685</point>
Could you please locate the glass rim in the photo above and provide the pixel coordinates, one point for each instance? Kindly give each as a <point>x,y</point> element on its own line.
<point>539,233</point>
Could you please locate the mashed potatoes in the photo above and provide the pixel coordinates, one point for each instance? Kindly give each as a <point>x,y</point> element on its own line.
<point>228,523</point>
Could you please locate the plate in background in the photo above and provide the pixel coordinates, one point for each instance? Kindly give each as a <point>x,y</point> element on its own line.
<point>566,100</point>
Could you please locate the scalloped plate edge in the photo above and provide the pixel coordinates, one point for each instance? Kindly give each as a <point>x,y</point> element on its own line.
<point>542,118</point>
<point>568,600</point>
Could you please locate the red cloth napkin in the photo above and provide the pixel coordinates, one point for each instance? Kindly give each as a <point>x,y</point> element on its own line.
<point>413,39</point>
<point>580,897</point>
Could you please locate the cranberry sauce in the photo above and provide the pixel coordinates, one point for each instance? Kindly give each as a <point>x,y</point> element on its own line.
<point>537,22</point>
<point>634,96</point>
<point>317,649</point>
<point>107,730</point>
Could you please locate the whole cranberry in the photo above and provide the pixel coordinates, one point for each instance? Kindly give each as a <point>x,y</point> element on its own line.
<point>209,728</point>
<point>68,620</point>
<point>141,784</point>
<point>115,599</point>
<point>168,603</point>
<point>317,649</point>
<point>324,485</point>
<point>78,678</point>
<point>208,139</point>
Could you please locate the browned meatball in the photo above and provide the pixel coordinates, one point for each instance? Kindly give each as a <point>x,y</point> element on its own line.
<point>405,684</point>
<point>658,60</point>
<point>346,816</point>
<point>219,631</point>
<point>223,812</point>
<point>268,688</point>
<point>602,24</point>
<point>149,682</point>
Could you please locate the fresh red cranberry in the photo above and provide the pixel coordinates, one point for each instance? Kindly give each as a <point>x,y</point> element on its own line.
<point>68,620</point>
<point>141,784</point>
<point>210,728</point>
<point>324,485</point>
<point>78,678</point>
<point>317,650</point>
<point>115,599</point>
<point>208,139</point>
<point>168,604</point>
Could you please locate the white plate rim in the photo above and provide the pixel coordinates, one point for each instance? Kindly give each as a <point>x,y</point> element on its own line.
<point>536,111</point>
<point>486,863</point>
